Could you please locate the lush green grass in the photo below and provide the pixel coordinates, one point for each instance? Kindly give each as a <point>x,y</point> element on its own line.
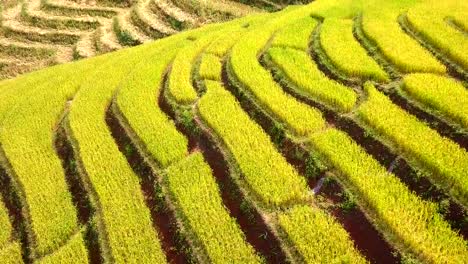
<point>210,67</point>
<point>429,21</point>
<point>446,97</point>
<point>122,214</point>
<point>298,67</point>
<point>257,53</point>
<point>443,161</point>
<point>345,52</point>
<point>296,35</point>
<point>410,223</point>
<point>308,229</point>
<point>266,172</point>
<point>385,33</point>
<point>243,62</point>
<point>5,226</point>
<point>137,99</point>
<point>197,195</point>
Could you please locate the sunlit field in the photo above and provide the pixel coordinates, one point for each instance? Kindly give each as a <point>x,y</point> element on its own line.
<point>248,132</point>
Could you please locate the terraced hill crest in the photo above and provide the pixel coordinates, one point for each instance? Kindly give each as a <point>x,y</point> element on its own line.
<point>38,33</point>
<point>332,132</point>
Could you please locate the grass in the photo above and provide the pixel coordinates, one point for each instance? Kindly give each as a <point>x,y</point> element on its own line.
<point>5,226</point>
<point>296,35</point>
<point>180,79</point>
<point>459,19</point>
<point>243,62</point>
<point>265,171</point>
<point>433,28</point>
<point>266,131</point>
<point>220,45</point>
<point>14,88</point>
<point>129,233</point>
<point>343,50</point>
<point>11,254</point>
<point>386,32</point>
<point>443,160</point>
<point>444,96</point>
<point>308,227</point>
<point>197,195</point>
<point>410,223</point>
<point>40,173</point>
<point>137,98</point>
<point>74,249</point>
<point>210,67</point>
<point>257,158</point>
<point>298,67</point>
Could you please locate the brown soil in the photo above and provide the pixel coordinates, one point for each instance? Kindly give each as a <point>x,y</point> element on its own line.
<point>366,238</point>
<point>453,69</point>
<point>250,221</point>
<point>373,50</point>
<point>323,62</point>
<point>76,188</point>
<point>79,195</point>
<point>163,218</point>
<point>13,205</point>
<point>454,213</point>
<point>252,224</point>
<point>432,121</point>
<point>270,126</point>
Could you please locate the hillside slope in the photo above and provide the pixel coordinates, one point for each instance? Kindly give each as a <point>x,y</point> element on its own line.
<point>38,33</point>
<point>324,133</point>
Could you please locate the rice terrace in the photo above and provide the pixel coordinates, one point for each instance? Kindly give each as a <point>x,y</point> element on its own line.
<point>234,131</point>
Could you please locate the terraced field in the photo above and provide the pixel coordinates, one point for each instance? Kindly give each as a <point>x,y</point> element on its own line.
<point>332,132</point>
<point>38,33</point>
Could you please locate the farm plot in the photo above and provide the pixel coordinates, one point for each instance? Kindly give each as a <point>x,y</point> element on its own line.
<point>70,30</point>
<point>307,135</point>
